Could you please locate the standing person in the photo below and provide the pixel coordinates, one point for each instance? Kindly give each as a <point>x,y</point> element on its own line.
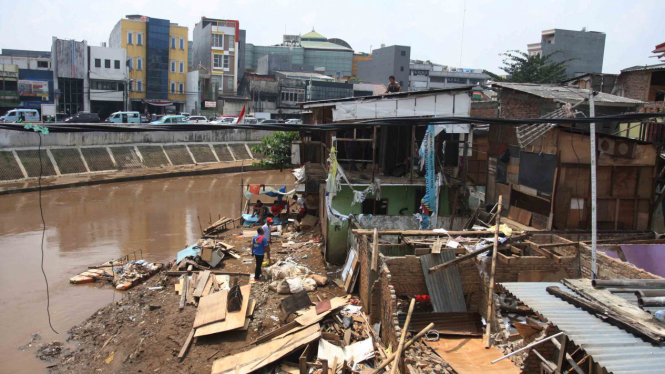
<point>267,229</point>
<point>258,250</point>
<point>393,86</point>
<point>303,207</point>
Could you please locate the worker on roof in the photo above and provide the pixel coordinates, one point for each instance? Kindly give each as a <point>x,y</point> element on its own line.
<point>393,87</point>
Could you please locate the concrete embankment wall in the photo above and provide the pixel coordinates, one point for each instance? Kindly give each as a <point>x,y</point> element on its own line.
<point>108,152</point>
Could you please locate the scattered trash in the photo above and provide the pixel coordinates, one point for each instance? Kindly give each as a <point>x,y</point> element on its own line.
<point>48,351</point>
<point>109,359</point>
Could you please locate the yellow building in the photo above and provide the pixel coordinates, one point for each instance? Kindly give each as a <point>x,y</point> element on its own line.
<point>161,85</point>
<point>356,58</point>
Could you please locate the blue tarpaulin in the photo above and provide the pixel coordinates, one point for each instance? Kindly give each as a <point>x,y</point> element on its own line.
<point>190,251</point>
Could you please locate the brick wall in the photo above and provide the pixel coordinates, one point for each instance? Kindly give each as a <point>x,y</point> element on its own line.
<point>508,268</point>
<point>387,313</point>
<point>366,277</point>
<point>548,350</point>
<point>484,109</point>
<point>407,275</point>
<point>519,105</point>
<point>635,85</point>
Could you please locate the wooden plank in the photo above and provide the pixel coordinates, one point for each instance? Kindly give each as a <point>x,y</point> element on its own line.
<point>310,316</point>
<point>185,347</point>
<point>233,320</point>
<point>524,217</point>
<point>264,354</point>
<point>250,308</point>
<point>469,356</point>
<point>201,283</point>
<point>616,304</point>
<point>212,308</point>
<point>436,248</point>
<point>322,306</point>
<point>190,289</point>
<point>514,213</point>
<point>526,330</point>
<point>208,287</point>
<point>375,251</point>
<point>277,332</point>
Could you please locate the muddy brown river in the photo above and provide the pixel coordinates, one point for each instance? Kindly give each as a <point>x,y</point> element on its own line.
<point>87,226</point>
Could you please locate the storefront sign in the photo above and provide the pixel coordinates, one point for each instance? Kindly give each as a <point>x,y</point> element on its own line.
<point>210,104</point>
<point>33,88</point>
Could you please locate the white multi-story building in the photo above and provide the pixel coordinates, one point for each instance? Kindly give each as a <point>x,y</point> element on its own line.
<point>108,80</point>
<point>425,75</point>
<point>33,60</point>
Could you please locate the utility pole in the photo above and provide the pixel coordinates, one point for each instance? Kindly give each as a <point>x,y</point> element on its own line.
<point>594,236</point>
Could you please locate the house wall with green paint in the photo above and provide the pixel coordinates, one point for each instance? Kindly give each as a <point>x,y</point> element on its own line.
<point>400,198</point>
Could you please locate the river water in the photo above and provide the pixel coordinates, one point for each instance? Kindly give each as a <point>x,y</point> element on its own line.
<point>87,226</point>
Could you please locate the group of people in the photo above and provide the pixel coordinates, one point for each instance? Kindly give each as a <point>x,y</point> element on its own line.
<point>261,242</point>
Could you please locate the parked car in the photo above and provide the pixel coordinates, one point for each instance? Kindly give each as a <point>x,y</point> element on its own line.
<point>124,117</point>
<point>84,117</point>
<point>197,119</point>
<point>170,119</point>
<point>185,114</point>
<point>294,121</point>
<point>270,122</point>
<point>25,115</point>
<point>224,120</point>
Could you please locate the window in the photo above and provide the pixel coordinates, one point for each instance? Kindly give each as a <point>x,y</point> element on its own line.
<point>139,85</point>
<point>172,43</point>
<point>42,64</point>
<point>131,85</point>
<point>116,64</point>
<point>130,38</point>
<point>401,83</point>
<point>130,63</point>
<point>226,61</point>
<point>107,64</point>
<point>103,85</point>
<point>181,88</point>
<point>139,63</point>
<point>182,43</point>
<point>230,84</point>
<point>457,80</point>
<point>403,53</point>
<point>217,61</point>
<point>172,87</point>
<point>139,38</point>
<point>401,68</point>
<point>182,66</point>
<point>98,62</point>
<point>218,40</point>
<point>373,206</point>
<point>172,66</point>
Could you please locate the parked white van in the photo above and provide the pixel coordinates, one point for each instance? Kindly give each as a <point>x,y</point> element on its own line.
<point>124,117</point>
<point>25,115</point>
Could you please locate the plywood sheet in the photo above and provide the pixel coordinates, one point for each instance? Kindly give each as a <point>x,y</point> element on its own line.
<point>233,320</point>
<point>524,217</point>
<point>264,354</point>
<point>212,308</point>
<point>469,356</point>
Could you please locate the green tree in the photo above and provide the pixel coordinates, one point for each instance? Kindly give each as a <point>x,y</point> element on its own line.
<point>276,150</point>
<point>522,68</point>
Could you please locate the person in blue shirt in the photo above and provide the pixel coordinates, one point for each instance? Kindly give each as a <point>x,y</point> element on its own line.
<point>258,250</point>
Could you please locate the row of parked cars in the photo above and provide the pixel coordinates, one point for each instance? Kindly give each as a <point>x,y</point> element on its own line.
<point>32,115</point>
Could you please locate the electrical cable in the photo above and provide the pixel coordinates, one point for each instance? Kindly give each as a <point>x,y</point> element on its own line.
<point>41,212</point>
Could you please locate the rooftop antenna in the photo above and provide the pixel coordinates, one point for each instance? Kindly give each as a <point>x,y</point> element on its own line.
<point>461,47</point>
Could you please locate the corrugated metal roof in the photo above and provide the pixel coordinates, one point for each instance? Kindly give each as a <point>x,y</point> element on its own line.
<point>444,286</point>
<point>566,94</point>
<point>619,351</point>
<point>644,68</point>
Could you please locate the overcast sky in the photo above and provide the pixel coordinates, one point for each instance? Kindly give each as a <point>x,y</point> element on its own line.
<point>433,28</point>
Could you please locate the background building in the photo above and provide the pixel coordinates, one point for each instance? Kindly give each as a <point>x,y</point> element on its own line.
<point>157,61</point>
<point>108,77</point>
<point>35,77</point>
<point>215,56</point>
<point>387,61</point>
<point>8,87</point>
<point>586,47</point>
<point>69,60</point>
<point>425,75</point>
<point>311,52</point>
<point>357,57</point>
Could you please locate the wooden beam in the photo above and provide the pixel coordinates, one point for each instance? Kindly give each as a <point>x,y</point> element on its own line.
<point>422,232</point>
<point>185,347</point>
<point>375,251</point>
<point>490,297</point>
<point>405,332</point>
<point>390,359</point>
<point>562,354</point>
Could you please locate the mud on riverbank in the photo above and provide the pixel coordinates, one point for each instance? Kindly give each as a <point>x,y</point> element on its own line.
<point>144,331</point>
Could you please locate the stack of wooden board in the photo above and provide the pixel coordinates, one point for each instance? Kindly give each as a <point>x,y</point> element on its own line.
<point>219,226</point>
